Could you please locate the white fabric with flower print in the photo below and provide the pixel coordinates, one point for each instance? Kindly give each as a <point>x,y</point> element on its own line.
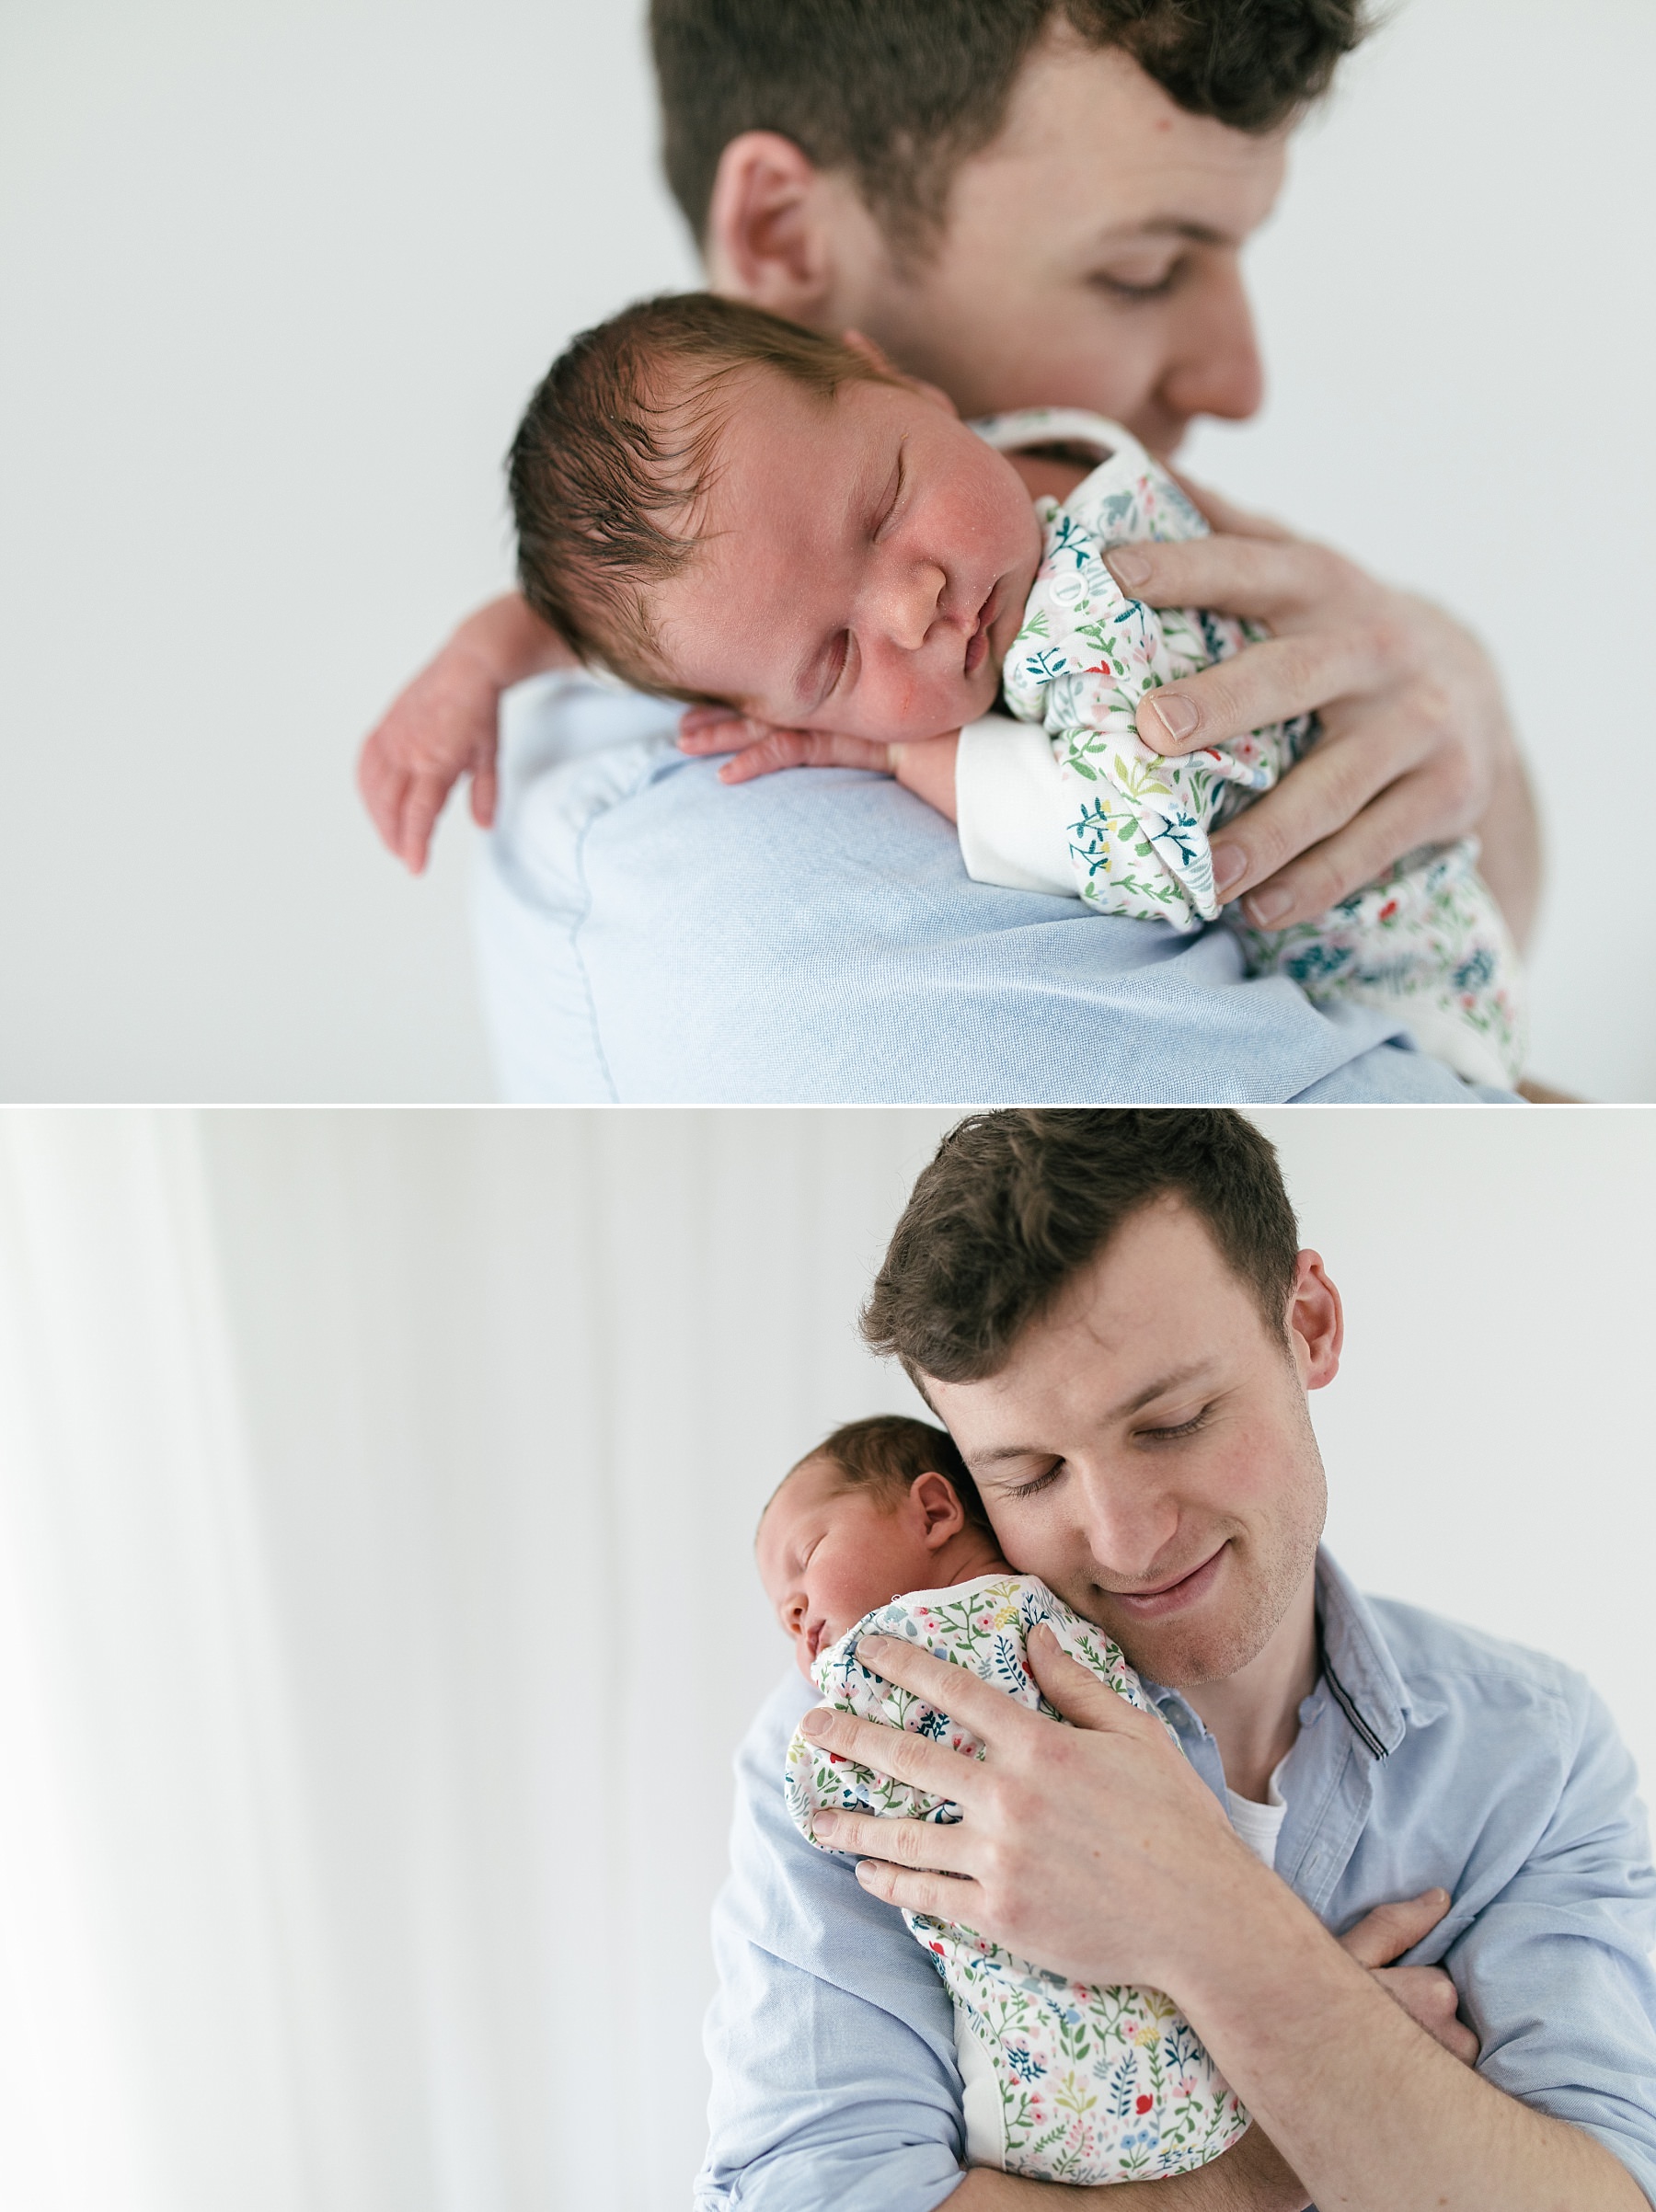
<point>1427,942</point>
<point>1064,2081</point>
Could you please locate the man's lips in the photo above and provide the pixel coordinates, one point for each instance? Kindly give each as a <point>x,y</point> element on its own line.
<point>1172,1596</point>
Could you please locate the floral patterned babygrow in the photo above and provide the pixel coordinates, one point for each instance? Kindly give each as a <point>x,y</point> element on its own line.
<point>1064,2081</point>
<point>1427,942</point>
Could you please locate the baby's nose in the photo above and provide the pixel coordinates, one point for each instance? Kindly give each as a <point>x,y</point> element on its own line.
<point>912,603</point>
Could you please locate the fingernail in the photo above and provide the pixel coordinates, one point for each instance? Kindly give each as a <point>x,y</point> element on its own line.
<point>1266,907</point>
<point>1230,863</point>
<point>813,1725</point>
<point>865,1873</point>
<point>823,1826</point>
<point>1129,568</point>
<point>873,1645</point>
<point>1177,717</point>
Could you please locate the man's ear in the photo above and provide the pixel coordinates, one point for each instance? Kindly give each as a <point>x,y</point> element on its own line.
<point>940,1506</point>
<point>767,237</point>
<point>1316,1322</point>
<point>859,342</point>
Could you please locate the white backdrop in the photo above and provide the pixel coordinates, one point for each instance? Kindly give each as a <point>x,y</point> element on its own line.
<point>286,273</point>
<point>377,1613</point>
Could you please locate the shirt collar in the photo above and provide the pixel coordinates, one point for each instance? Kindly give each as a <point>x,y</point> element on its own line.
<point>1358,1666</point>
<point>1362,1677</point>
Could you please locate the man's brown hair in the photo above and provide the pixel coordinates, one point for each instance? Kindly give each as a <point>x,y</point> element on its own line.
<point>890,1452</point>
<point>1014,1205</point>
<point>900,92</point>
<point>615,452</point>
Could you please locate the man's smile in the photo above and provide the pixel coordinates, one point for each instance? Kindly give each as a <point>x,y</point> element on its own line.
<point>1172,1596</point>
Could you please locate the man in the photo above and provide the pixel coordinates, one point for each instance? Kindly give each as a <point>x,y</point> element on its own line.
<point>1026,202</point>
<point>1109,1312</point>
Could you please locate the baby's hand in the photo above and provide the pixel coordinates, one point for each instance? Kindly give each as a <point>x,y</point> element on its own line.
<point>442,727</point>
<point>924,767</point>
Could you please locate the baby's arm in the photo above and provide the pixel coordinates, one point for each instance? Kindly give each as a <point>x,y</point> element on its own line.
<point>444,725</point>
<point>997,780</point>
<point>925,767</point>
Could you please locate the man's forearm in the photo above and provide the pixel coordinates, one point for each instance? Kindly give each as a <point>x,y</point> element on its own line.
<point>1250,2177</point>
<point>1371,2113</point>
<point>1511,835</point>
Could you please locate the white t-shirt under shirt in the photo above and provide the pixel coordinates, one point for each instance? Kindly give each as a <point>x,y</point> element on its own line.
<point>1259,1825</point>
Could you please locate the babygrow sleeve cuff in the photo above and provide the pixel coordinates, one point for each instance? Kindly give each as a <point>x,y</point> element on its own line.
<point>1009,805</point>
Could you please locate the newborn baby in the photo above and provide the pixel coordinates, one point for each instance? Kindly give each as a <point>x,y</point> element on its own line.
<point>1063,2081</point>
<point>721,508</point>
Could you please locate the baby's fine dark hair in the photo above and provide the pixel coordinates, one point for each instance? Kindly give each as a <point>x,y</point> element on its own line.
<point>889,1453</point>
<point>615,452</point>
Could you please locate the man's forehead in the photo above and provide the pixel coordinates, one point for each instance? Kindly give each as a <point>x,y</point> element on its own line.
<point>1132,160</point>
<point>1157,1303</point>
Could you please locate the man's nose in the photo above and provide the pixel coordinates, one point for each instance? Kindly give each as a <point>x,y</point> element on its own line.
<point>1215,368</point>
<point>1126,1522</point>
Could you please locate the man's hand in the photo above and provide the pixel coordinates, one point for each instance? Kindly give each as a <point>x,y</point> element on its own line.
<point>443,725</point>
<point>1416,747</point>
<point>1426,1993</point>
<point>1045,1812</point>
<point>926,766</point>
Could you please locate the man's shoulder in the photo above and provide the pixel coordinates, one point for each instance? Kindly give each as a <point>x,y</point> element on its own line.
<point>650,934</point>
<point>1448,1663</point>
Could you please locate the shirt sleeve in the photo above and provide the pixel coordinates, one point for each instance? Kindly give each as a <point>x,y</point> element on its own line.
<point>831,2037</point>
<point>1556,1974</point>
<point>1010,808</point>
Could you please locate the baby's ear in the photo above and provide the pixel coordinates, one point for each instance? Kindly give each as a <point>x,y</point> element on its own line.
<point>939,1503</point>
<point>877,359</point>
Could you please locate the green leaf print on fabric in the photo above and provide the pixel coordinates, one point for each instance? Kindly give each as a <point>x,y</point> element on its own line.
<point>1095,2084</point>
<point>1427,944</point>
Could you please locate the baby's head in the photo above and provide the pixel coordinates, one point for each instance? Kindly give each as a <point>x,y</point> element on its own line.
<point>881,1506</point>
<point>721,507</point>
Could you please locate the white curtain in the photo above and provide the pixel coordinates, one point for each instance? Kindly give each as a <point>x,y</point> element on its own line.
<point>378,1617</point>
<point>377,1611</point>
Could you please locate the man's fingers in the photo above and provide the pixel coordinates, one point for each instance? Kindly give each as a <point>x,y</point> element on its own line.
<point>1076,1692</point>
<point>1379,834</point>
<point>896,1753</point>
<point>1266,683</point>
<point>1320,799</point>
<point>1390,1930</point>
<point>939,1894</point>
<point>912,1843</point>
<point>1224,514</point>
<point>1276,580</point>
<point>1432,2000</point>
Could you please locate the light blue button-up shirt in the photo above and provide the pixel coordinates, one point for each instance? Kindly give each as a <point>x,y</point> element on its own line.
<point>647,932</point>
<point>1428,1755</point>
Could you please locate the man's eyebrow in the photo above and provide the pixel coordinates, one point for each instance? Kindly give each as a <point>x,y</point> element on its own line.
<point>1167,227</point>
<point>1175,1379</point>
